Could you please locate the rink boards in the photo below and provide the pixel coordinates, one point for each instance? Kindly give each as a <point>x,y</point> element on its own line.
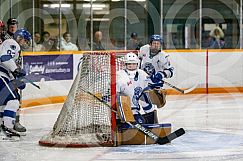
<point>219,70</point>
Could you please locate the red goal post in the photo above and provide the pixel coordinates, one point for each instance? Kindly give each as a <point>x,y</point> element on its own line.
<point>84,121</point>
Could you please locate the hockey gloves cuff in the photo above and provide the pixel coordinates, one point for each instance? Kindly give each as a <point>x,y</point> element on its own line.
<point>19,83</point>
<point>18,73</point>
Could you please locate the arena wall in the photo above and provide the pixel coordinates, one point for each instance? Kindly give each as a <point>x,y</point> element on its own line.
<point>214,71</point>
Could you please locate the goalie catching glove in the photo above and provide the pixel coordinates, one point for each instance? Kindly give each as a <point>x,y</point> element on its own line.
<point>157,97</point>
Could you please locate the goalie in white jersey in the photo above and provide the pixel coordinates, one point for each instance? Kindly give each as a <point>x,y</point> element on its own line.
<point>10,79</point>
<point>131,82</point>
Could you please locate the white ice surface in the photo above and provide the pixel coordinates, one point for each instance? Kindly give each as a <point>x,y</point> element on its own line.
<point>213,124</point>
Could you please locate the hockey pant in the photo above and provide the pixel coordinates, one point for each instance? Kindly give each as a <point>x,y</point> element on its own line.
<point>10,100</point>
<point>149,109</point>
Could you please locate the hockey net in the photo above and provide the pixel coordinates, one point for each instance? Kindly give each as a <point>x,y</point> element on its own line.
<point>84,121</point>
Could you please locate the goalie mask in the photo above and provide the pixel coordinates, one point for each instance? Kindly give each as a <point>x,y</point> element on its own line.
<point>131,61</point>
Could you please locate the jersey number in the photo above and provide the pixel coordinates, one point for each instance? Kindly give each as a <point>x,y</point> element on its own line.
<point>9,52</point>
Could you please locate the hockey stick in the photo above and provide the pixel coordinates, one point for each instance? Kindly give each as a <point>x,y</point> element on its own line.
<point>145,131</point>
<point>181,90</point>
<point>91,94</point>
<point>31,82</point>
<point>156,138</point>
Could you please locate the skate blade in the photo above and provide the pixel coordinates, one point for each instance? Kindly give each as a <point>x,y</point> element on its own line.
<point>22,133</point>
<point>9,139</point>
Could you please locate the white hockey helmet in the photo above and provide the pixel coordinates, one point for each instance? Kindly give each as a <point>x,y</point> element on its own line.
<point>131,58</point>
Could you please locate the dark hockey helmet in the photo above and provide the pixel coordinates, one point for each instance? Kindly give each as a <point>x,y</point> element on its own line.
<point>12,21</point>
<point>156,38</point>
<point>134,35</point>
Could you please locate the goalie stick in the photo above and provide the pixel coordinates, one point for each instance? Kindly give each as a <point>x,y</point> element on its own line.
<point>31,82</point>
<point>145,131</point>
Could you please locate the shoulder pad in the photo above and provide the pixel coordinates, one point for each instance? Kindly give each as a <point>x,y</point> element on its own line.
<point>10,47</point>
<point>11,44</point>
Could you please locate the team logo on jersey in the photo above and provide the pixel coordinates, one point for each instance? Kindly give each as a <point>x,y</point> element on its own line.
<point>149,68</point>
<point>128,83</point>
<point>135,98</point>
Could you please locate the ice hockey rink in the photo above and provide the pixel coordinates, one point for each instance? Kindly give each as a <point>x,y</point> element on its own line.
<point>213,124</point>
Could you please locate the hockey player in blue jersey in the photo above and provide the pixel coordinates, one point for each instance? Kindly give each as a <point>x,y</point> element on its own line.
<point>10,79</point>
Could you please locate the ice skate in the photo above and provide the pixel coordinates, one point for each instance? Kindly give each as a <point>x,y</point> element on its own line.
<point>8,134</point>
<point>20,128</point>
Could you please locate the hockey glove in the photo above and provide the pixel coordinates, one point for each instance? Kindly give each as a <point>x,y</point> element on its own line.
<point>18,73</point>
<point>19,83</point>
<point>156,78</point>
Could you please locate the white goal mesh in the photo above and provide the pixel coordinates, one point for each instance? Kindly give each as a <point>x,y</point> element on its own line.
<point>84,120</point>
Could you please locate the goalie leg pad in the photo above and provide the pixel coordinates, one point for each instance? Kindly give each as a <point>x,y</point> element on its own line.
<point>157,97</point>
<point>124,109</point>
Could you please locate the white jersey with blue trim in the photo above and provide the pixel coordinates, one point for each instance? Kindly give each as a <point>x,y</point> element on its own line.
<point>132,84</point>
<point>9,53</point>
<point>157,63</point>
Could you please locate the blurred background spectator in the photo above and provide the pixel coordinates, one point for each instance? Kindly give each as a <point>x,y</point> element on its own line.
<point>48,43</point>
<point>2,31</point>
<point>216,38</point>
<point>97,44</point>
<point>12,28</point>
<point>134,43</point>
<point>66,43</point>
<point>37,45</point>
